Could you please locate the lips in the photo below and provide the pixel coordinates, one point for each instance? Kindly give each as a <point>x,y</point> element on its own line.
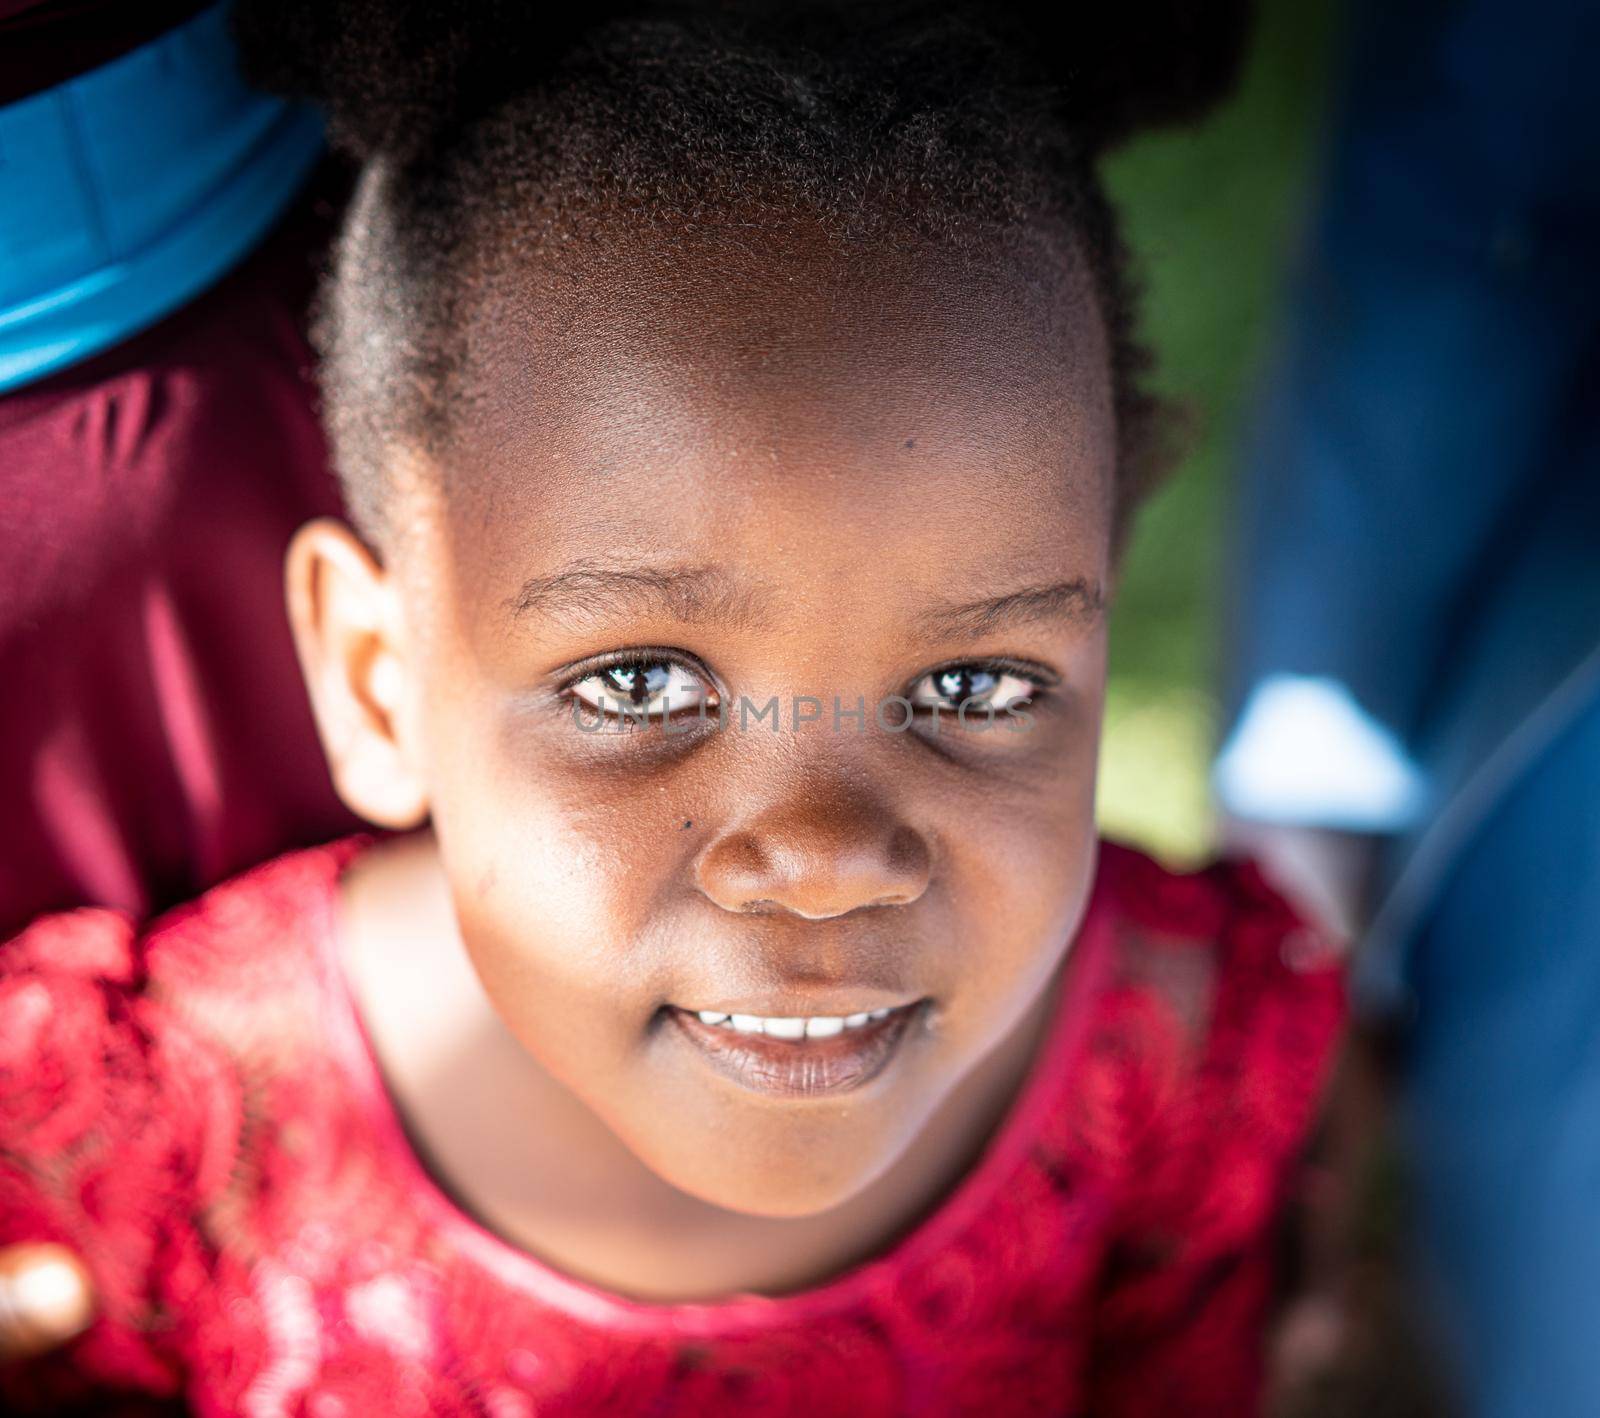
<point>797,1062</point>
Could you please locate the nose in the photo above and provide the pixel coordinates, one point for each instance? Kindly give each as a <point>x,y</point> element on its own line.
<point>821,853</point>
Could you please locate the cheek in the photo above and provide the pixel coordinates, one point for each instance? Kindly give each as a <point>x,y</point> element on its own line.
<point>556,876</point>
<point>1019,860</point>
<point>1021,879</point>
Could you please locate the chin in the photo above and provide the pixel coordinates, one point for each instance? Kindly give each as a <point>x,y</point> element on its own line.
<point>770,1182</point>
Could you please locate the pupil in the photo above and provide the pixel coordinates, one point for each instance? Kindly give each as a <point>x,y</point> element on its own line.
<point>961,685</point>
<point>639,681</point>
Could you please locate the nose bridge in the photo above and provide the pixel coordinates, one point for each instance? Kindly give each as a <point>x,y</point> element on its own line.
<point>827,838</point>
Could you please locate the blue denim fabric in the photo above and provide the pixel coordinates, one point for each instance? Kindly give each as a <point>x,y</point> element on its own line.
<point>1500,1101</point>
<point>1420,522</point>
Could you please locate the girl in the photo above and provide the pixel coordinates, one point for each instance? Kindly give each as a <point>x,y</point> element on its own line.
<point>739,413</point>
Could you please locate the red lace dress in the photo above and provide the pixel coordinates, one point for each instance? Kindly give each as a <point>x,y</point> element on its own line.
<point>196,1110</point>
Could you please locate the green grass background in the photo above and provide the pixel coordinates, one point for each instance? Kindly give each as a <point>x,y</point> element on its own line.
<point>1212,215</point>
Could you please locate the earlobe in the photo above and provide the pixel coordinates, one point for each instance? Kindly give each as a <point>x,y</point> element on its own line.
<point>349,635</point>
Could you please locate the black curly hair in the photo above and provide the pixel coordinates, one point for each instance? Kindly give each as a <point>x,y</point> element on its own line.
<point>490,126</point>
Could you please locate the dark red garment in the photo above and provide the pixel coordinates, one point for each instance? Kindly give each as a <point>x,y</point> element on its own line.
<point>155,734</point>
<point>196,1110</point>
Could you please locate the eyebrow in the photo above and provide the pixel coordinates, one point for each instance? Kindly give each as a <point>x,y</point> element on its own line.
<point>591,591</point>
<point>1079,600</point>
<point>588,591</point>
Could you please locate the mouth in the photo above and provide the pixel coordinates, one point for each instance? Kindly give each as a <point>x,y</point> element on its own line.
<point>798,1057</point>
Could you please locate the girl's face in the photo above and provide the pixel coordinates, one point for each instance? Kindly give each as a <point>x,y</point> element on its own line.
<point>778,493</point>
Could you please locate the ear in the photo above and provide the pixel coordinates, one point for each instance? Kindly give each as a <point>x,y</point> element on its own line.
<point>350,637</point>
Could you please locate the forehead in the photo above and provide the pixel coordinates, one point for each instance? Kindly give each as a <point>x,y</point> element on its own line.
<point>784,401</point>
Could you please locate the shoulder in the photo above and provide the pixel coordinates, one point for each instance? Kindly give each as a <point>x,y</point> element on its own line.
<point>1217,1015</point>
<point>95,1009</point>
<point>1223,1008</point>
<point>1217,945</point>
<point>247,939</point>
<point>104,1094</point>
<point>122,1075</point>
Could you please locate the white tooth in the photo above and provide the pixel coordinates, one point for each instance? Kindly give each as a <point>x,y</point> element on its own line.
<point>880,1014</point>
<point>855,1021</point>
<point>824,1028</point>
<point>746,1023</point>
<point>710,1016</point>
<point>786,1028</point>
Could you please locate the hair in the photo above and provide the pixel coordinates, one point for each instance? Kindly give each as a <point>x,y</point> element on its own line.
<point>494,126</point>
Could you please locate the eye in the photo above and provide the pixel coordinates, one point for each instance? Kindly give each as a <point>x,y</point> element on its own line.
<point>650,688</point>
<point>958,684</point>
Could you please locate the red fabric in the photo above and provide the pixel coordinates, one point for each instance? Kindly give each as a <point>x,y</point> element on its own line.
<point>155,735</point>
<point>195,1109</point>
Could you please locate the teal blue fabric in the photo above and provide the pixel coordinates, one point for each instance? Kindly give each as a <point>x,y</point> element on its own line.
<point>128,190</point>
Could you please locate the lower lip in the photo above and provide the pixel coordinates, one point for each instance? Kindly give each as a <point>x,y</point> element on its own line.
<point>799,1068</point>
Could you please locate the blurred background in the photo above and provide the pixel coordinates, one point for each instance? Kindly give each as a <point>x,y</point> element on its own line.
<point>1212,215</point>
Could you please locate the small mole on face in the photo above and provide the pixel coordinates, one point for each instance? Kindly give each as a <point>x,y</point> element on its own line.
<point>688,822</point>
<point>911,443</point>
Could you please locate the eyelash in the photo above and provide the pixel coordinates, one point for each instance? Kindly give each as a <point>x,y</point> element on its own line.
<point>1040,680</point>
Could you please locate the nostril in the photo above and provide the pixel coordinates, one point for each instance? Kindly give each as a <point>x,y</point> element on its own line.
<point>759,907</point>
